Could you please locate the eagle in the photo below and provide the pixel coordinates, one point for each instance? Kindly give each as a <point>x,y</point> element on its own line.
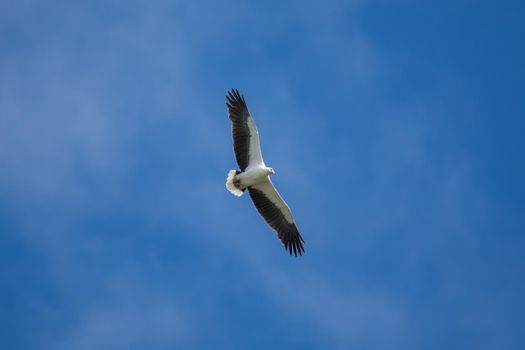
<point>254,175</point>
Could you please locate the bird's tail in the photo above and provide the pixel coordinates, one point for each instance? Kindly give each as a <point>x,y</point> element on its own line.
<point>230,185</point>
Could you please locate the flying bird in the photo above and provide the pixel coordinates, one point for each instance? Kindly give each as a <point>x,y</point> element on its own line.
<point>254,175</point>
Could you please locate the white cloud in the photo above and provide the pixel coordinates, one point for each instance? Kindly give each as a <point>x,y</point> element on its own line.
<point>131,316</point>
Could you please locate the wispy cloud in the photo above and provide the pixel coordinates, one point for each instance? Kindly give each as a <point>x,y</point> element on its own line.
<point>115,145</point>
<point>129,316</point>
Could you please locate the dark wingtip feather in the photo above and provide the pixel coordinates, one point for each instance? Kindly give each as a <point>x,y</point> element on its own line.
<point>234,97</point>
<point>294,245</point>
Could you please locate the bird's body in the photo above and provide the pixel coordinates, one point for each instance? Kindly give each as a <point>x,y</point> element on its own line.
<point>255,175</point>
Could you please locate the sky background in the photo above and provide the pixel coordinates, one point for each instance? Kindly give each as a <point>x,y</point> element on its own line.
<point>395,130</point>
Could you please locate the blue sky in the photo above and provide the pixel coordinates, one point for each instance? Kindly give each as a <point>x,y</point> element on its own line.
<point>395,129</point>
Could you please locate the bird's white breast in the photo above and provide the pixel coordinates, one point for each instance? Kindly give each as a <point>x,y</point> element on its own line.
<point>253,176</point>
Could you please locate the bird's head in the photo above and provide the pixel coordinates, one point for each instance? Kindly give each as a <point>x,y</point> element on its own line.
<point>270,171</point>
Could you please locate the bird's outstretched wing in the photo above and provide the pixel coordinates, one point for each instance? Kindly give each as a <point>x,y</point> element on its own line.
<point>278,215</point>
<point>245,135</point>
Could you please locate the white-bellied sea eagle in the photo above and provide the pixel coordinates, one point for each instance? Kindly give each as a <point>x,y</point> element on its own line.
<point>254,175</point>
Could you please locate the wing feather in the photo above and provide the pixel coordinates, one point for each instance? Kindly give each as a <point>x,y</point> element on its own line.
<point>244,131</point>
<point>278,215</point>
